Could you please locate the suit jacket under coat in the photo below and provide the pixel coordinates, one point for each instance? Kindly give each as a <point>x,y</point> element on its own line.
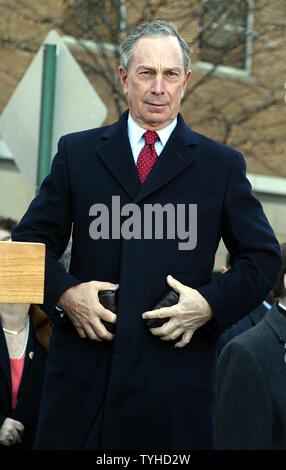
<point>243,325</point>
<point>140,392</point>
<point>251,409</point>
<point>29,393</point>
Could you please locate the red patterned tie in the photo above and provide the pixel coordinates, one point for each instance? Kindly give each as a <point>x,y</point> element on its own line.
<point>147,156</point>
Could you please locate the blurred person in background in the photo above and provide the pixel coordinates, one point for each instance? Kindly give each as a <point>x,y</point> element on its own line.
<point>6,226</point>
<point>251,382</point>
<point>24,340</point>
<point>247,321</point>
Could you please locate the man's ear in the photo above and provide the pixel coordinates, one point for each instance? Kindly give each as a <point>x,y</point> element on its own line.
<point>123,78</point>
<point>187,78</point>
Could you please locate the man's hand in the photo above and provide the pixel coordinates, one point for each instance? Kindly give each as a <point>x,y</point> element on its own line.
<point>84,309</point>
<point>191,312</point>
<point>11,432</point>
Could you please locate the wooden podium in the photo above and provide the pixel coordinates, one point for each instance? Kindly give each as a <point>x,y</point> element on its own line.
<point>22,272</point>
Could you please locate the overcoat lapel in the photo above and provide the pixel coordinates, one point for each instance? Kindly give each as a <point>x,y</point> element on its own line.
<point>4,360</point>
<point>275,319</point>
<point>115,152</point>
<point>29,353</point>
<point>257,314</point>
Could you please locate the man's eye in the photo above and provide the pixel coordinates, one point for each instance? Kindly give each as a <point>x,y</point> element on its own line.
<point>172,74</point>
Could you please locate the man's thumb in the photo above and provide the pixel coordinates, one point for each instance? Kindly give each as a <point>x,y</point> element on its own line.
<point>176,285</point>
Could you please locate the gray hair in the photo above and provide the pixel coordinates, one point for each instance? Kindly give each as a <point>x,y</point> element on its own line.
<point>156,28</point>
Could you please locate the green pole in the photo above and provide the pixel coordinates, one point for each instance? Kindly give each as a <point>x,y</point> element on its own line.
<point>47,110</point>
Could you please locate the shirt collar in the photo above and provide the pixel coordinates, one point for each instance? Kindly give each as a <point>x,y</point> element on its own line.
<point>135,132</point>
<point>266,304</point>
<point>282,306</point>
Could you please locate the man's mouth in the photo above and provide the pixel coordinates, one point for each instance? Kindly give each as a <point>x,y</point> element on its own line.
<point>158,105</point>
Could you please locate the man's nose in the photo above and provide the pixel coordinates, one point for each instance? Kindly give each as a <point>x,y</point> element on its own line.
<point>158,85</point>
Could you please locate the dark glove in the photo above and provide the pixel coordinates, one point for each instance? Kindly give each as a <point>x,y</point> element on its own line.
<point>171,298</point>
<point>108,299</point>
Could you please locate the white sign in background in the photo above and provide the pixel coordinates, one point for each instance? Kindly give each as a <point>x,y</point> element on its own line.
<point>77,107</point>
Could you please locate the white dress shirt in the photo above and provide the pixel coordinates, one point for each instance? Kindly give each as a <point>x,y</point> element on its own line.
<point>282,306</point>
<point>137,141</point>
<point>266,304</point>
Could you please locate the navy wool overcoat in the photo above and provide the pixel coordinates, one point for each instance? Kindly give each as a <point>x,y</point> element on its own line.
<point>140,392</point>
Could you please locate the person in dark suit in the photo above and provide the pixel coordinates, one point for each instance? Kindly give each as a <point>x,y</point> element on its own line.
<point>140,387</point>
<point>243,325</point>
<point>246,322</point>
<point>251,382</point>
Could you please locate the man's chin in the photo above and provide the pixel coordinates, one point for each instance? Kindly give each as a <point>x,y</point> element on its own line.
<point>158,118</point>
<point>155,119</point>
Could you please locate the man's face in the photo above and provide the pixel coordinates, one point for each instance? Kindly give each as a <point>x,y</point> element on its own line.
<point>155,82</point>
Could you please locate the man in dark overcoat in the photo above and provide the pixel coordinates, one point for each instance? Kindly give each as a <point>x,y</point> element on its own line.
<point>140,387</point>
<point>251,382</point>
